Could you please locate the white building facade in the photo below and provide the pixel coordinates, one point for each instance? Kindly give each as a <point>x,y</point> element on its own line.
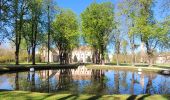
<point>83,54</point>
<point>80,54</point>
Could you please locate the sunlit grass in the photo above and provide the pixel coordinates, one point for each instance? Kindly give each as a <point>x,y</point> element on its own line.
<point>23,95</point>
<point>111,66</point>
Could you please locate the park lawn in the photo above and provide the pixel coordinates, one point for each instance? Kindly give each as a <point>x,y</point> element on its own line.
<point>155,68</point>
<point>24,95</point>
<point>26,67</point>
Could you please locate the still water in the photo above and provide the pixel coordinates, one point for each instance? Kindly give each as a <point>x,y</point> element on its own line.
<point>83,80</point>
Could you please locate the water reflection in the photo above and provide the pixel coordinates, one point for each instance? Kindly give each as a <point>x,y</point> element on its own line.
<point>83,80</point>
<point>97,84</point>
<point>64,79</point>
<point>16,82</point>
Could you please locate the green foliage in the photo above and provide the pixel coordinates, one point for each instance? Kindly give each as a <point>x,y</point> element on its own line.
<point>38,58</point>
<point>6,55</point>
<point>97,24</point>
<point>147,27</point>
<point>65,30</point>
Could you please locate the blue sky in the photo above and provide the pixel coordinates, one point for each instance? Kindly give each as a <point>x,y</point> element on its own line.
<point>78,5</point>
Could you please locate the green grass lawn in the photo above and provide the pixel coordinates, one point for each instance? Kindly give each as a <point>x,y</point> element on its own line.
<point>107,66</point>
<point>22,67</point>
<point>145,67</point>
<point>21,95</point>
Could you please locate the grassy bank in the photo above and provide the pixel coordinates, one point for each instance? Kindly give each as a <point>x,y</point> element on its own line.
<point>128,67</point>
<point>25,67</point>
<point>22,95</point>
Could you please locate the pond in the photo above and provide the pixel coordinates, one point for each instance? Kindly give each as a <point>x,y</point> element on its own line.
<point>88,81</point>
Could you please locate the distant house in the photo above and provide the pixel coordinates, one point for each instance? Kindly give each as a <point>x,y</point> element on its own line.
<point>163,58</point>
<point>82,54</point>
<point>53,55</point>
<point>79,54</point>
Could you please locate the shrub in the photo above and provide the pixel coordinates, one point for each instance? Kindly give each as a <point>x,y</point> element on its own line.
<point>75,58</point>
<point>88,59</point>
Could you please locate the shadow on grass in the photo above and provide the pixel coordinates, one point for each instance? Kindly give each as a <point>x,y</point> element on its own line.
<point>2,90</point>
<point>166,96</point>
<point>132,97</point>
<point>94,97</point>
<point>144,96</point>
<point>69,96</point>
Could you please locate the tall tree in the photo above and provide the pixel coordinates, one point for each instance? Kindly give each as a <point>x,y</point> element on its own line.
<point>35,12</point>
<point>19,9</point>
<point>124,46</point>
<point>152,32</point>
<point>27,38</point>
<point>50,10</point>
<point>97,25</point>
<point>65,34</point>
<point>129,9</point>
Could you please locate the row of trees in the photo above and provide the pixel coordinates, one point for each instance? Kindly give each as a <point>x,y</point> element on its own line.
<point>41,22</point>
<point>101,27</point>
<point>25,23</point>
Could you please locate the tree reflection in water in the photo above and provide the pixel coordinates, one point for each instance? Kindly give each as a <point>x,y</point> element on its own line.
<point>164,89</point>
<point>83,80</point>
<point>132,84</point>
<point>116,82</point>
<point>123,80</point>
<point>149,86</point>
<point>17,81</point>
<point>98,83</point>
<point>65,79</point>
<point>32,74</point>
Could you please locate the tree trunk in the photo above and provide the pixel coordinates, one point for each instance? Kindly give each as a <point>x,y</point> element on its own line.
<point>150,54</point>
<point>102,56</point>
<point>48,35</point>
<point>150,60</point>
<point>61,56</point>
<point>117,59</point>
<point>28,56</point>
<point>33,55</point>
<point>17,56</point>
<point>98,57</point>
<point>133,50</point>
<point>133,57</point>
